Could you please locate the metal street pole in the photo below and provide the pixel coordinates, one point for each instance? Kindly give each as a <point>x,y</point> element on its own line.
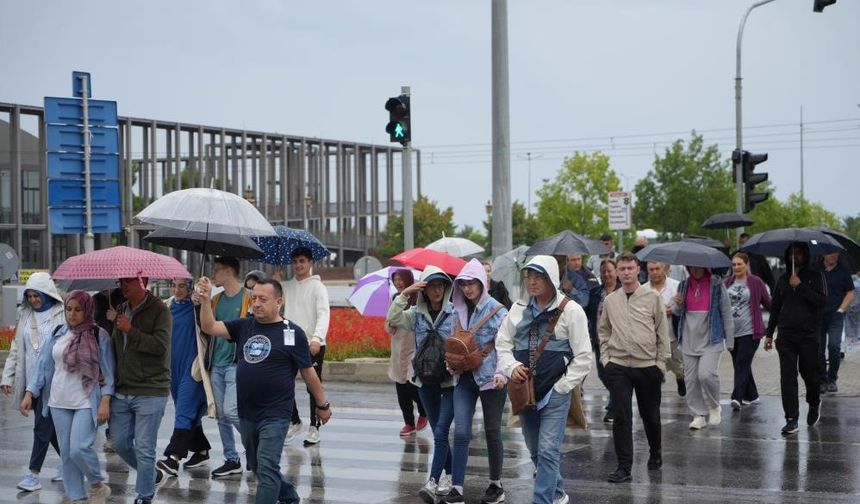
<point>89,237</point>
<point>406,165</point>
<point>502,225</point>
<point>739,184</point>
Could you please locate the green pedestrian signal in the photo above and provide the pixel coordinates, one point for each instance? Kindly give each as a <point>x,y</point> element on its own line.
<point>399,126</point>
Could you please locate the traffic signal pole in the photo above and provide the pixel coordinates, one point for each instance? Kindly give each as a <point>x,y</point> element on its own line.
<point>406,165</point>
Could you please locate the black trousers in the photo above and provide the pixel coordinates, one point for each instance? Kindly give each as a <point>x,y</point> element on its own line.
<point>742,356</point>
<point>622,382</point>
<point>407,394</point>
<point>317,363</point>
<point>43,436</point>
<point>794,354</point>
<point>183,440</point>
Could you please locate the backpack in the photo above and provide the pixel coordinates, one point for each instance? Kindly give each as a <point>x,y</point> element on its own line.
<point>462,352</point>
<point>429,360</point>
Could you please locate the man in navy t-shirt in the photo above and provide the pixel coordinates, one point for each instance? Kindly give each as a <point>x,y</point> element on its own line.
<point>840,292</point>
<point>269,351</point>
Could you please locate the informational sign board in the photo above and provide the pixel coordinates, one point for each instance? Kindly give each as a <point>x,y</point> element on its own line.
<point>620,216</point>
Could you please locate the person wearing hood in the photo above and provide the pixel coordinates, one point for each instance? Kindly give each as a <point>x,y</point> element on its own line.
<point>306,304</point>
<point>796,312</point>
<point>431,319</point>
<point>75,381</point>
<point>189,396</point>
<point>563,365</point>
<point>705,325</point>
<point>41,312</point>
<point>475,310</point>
<point>400,361</point>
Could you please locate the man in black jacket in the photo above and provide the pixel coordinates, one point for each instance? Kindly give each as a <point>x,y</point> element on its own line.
<point>796,312</point>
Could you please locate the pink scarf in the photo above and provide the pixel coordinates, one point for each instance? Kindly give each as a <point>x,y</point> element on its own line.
<point>699,293</point>
<point>82,354</point>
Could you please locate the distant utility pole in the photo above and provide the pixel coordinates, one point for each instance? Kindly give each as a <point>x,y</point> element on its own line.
<point>502,225</point>
<point>529,158</point>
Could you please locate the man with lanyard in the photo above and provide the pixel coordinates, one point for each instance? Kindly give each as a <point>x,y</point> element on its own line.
<point>141,340</point>
<point>271,350</point>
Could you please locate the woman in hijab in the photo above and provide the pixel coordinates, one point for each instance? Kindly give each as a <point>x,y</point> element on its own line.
<point>40,313</point>
<point>75,379</point>
<point>188,394</point>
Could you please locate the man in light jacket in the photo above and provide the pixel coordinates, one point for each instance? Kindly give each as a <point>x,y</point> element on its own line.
<point>634,348</point>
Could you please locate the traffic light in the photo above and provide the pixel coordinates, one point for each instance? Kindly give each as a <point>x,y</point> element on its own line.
<point>819,5</point>
<point>750,179</point>
<point>399,127</point>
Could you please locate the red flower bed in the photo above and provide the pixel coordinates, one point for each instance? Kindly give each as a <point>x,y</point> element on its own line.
<point>352,335</point>
<point>6,336</point>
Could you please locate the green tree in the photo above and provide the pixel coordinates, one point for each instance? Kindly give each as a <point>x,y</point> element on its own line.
<point>525,228</point>
<point>578,197</point>
<point>429,223</point>
<point>473,234</point>
<point>852,227</point>
<point>794,212</point>
<point>687,184</point>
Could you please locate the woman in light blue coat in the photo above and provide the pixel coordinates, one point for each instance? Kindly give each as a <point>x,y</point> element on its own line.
<point>75,379</point>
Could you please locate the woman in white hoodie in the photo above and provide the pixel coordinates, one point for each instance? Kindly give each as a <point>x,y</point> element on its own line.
<point>41,312</point>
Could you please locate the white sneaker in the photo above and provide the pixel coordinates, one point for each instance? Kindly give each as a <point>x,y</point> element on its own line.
<point>293,431</point>
<point>714,417</point>
<point>313,436</point>
<point>444,484</point>
<point>428,491</point>
<point>698,422</point>
<point>564,499</point>
<point>30,483</point>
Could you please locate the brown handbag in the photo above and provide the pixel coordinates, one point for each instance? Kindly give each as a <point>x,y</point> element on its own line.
<point>522,394</point>
<point>462,352</point>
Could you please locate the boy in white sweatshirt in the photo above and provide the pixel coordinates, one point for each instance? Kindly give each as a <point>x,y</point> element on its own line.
<point>306,304</point>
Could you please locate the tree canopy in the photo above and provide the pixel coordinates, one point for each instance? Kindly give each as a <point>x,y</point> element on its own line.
<point>428,224</point>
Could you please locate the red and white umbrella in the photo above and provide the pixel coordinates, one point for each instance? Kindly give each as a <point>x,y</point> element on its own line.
<point>419,258</point>
<point>102,268</point>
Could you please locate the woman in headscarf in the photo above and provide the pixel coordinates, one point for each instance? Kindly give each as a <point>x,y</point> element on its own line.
<point>705,325</point>
<point>75,379</point>
<point>400,362</point>
<point>189,397</point>
<point>40,313</point>
<point>476,311</point>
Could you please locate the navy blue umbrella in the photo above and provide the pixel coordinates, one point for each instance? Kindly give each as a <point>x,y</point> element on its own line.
<point>279,249</point>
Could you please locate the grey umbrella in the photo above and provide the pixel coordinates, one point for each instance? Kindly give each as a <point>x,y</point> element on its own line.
<point>219,244</point>
<point>685,253</point>
<point>704,240</point>
<point>775,242</point>
<point>567,243</point>
<point>729,220</point>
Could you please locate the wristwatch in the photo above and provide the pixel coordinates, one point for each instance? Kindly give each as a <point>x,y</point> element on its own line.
<point>324,406</point>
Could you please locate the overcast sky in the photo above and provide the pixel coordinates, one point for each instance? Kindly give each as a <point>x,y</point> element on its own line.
<point>623,76</point>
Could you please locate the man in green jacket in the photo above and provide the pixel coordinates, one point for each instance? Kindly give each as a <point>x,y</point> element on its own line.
<point>141,339</point>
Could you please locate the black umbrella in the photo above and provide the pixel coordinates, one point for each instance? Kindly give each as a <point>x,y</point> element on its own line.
<point>775,242</point>
<point>727,221</point>
<point>567,243</point>
<point>704,240</point>
<point>851,256</point>
<point>686,253</point>
<point>220,244</point>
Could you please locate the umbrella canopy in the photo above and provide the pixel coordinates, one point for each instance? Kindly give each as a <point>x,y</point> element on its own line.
<point>419,258</point>
<point>567,243</point>
<point>278,249</point>
<point>219,244</point>
<point>774,242</point>
<point>102,268</point>
<point>372,294</point>
<point>851,256</point>
<point>685,253</point>
<point>509,264</point>
<point>704,240</point>
<point>456,246</point>
<point>728,220</point>
<point>206,210</point>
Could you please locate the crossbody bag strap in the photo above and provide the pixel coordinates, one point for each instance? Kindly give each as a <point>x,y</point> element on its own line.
<point>550,329</point>
<point>487,350</point>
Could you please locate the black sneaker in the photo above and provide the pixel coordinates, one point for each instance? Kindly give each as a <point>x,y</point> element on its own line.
<point>790,427</point>
<point>142,501</point>
<point>619,476</point>
<point>229,467</point>
<point>655,462</point>
<point>682,388</point>
<point>822,388</point>
<point>609,417</point>
<point>168,465</point>
<point>197,459</point>
<point>493,495</point>
<point>454,497</point>
<point>814,414</point>
<point>160,477</point>
<point>832,388</point>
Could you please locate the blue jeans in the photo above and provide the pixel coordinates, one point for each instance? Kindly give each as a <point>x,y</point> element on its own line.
<point>830,347</point>
<point>134,422</point>
<point>224,390</point>
<point>466,394</point>
<point>264,441</point>
<point>76,433</point>
<point>439,404</point>
<point>543,431</point>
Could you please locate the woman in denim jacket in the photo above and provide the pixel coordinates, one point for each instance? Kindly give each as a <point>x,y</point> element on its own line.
<point>705,325</point>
